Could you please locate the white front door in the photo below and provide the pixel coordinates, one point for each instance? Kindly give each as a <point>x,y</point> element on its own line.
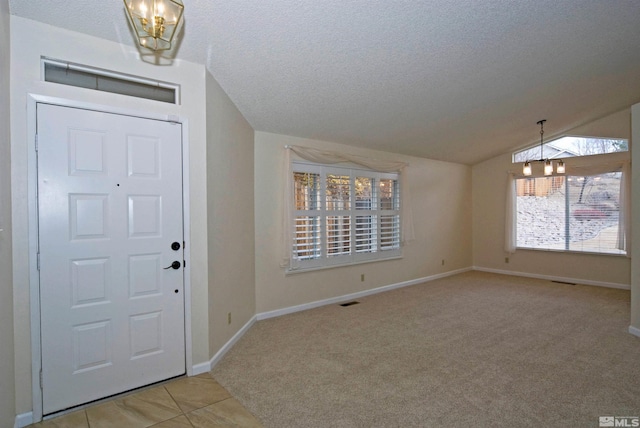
<point>110,223</point>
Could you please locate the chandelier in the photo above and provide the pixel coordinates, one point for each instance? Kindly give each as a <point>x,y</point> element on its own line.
<point>154,21</point>
<point>548,164</point>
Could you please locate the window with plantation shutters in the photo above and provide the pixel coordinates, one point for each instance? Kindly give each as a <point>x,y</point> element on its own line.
<point>307,219</point>
<point>571,213</point>
<point>344,215</point>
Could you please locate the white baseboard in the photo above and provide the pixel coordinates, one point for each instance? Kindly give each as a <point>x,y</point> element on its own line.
<point>555,278</point>
<point>207,366</point>
<point>338,299</point>
<point>23,420</point>
<point>635,331</point>
<point>201,368</point>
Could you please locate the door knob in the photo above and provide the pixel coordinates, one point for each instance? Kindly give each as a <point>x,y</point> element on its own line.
<point>174,265</point>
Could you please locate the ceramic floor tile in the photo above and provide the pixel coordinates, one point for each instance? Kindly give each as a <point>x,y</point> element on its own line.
<point>71,420</point>
<point>223,414</point>
<point>196,392</point>
<point>179,422</point>
<point>141,409</point>
<point>206,375</point>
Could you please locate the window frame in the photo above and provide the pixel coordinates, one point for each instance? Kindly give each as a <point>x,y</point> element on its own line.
<point>568,232</point>
<point>534,149</point>
<point>577,166</point>
<point>354,256</point>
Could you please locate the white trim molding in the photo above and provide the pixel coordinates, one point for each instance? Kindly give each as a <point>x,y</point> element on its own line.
<point>634,330</point>
<point>338,299</point>
<point>23,420</point>
<point>555,278</point>
<point>207,366</point>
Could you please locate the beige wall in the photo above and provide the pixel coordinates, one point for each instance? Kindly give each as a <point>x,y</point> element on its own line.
<point>441,196</point>
<point>489,190</point>
<point>29,41</point>
<point>230,217</point>
<point>635,215</point>
<point>7,372</point>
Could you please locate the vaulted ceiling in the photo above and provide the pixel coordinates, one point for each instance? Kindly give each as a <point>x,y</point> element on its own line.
<point>460,81</point>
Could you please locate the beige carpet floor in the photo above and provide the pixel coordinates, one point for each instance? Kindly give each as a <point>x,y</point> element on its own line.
<point>471,350</point>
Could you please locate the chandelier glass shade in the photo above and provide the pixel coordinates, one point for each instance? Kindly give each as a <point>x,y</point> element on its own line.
<point>155,22</point>
<point>548,163</point>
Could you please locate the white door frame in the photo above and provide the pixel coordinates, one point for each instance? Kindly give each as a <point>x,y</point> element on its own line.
<point>34,277</point>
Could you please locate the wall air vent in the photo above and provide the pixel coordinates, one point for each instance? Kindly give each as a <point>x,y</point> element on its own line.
<point>81,76</point>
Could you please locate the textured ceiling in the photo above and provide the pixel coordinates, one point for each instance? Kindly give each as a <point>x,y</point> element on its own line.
<point>461,80</point>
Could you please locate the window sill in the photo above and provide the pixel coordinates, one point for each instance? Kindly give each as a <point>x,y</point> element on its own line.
<point>589,253</point>
<point>289,271</point>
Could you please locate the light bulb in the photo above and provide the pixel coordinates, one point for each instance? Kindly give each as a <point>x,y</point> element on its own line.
<point>548,167</point>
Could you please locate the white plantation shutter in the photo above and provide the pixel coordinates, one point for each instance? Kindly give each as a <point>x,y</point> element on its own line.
<point>338,208</point>
<point>307,237</point>
<point>366,227</point>
<point>389,217</point>
<point>389,232</point>
<point>343,215</point>
<point>307,226</point>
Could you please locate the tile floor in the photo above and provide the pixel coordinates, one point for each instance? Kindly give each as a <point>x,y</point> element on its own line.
<point>193,402</point>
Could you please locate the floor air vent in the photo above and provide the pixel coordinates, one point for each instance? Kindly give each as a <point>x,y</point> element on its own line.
<point>349,303</point>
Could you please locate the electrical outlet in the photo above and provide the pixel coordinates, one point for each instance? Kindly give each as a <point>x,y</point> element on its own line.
<point>362,277</point>
<point>506,259</point>
<point>229,318</point>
